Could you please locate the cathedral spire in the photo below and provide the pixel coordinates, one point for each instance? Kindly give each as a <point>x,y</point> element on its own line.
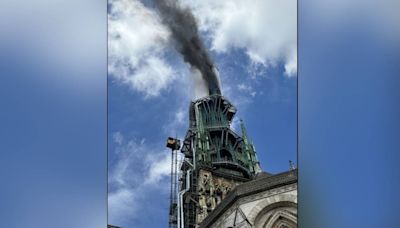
<point>244,133</point>
<point>217,159</point>
<point>250,149</point>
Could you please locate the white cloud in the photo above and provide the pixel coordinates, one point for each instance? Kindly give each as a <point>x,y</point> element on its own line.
<point>133,174</point>
<point>159,166</point>
<point>120,205</point>
<point>265,29</point>
<point>236,124</point>
<point>247,89</point>
<point>137,44</point>
<point>291,64</point>
<point>180,116</point>
<point>118,138</point>
<point>177,121</point>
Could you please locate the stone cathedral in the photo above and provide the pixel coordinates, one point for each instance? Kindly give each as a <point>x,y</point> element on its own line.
<point>220,182</point>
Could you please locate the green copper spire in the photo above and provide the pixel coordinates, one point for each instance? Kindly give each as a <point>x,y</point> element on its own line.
<point>216,158</point>
<point>244,133</point>
<point>250,149</point>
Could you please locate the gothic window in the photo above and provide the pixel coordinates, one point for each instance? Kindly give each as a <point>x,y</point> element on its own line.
<point>277,215</point>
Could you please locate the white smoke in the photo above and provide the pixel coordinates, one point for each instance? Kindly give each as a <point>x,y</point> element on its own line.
<point>200,88</point>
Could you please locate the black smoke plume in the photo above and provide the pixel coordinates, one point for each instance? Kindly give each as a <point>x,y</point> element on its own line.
<point>187,40</point>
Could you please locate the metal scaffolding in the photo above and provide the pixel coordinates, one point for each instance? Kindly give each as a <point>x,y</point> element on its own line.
<point>174,145</point>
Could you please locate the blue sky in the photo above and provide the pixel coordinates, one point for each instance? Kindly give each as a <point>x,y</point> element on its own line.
<point>149,99</point>
<point>349,114</point>
<point>53,115</point>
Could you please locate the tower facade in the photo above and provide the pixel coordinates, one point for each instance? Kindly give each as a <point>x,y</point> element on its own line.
<point>216,160</point>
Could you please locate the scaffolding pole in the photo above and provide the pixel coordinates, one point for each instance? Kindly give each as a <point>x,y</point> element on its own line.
<point>174,145</point>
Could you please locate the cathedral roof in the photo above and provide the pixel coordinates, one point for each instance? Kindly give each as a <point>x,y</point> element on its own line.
<point>263,175</point>
<point>263,181</point>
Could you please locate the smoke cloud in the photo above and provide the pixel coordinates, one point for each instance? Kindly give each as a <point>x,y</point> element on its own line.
<point>186,38</point>
<point>200,86</point>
